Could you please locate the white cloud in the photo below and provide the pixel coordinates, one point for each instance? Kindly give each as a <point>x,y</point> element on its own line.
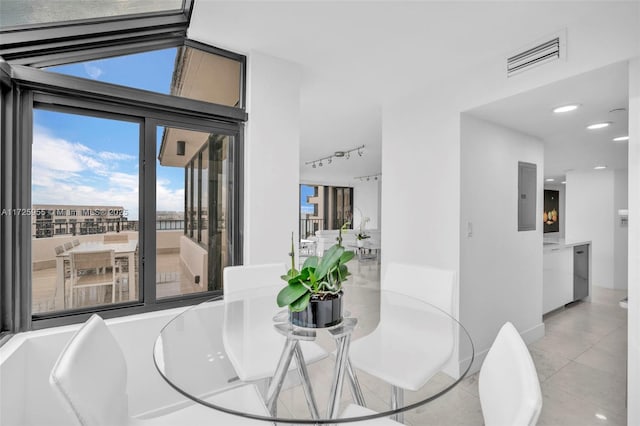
<point>115,156</point>
<point>169,199</point>
<point>93,71</point>
<point>124,181</point>
<point>55,153</point>
<point>65,172</point>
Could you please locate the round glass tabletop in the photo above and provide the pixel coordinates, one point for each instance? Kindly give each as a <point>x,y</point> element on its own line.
<point>240,355</point>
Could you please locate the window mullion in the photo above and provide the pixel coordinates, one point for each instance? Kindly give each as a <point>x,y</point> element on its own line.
<point>148,213</point>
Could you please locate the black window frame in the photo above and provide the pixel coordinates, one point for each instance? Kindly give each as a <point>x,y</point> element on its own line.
<point>48,44</point>
<point>24,86</point>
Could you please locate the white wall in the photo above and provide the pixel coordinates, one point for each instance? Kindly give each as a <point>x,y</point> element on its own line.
<point>366,198</point>
<point>633,358</point>
<point>562,209</point>
<point>620,231</point>
<point>591,217</point>
<point>27,359</point>
<point>272,146</point>
<point>421,134</point>
<point>502,266</point>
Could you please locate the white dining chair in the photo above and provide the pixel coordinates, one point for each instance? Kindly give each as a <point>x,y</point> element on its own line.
<point>252,343</point>
<point>392,352</point>
<point>90,376</point>
<point>508,384</point>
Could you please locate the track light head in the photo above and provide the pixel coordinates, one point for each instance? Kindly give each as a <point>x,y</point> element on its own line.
<point>314,165</point>
<point>320,164</point>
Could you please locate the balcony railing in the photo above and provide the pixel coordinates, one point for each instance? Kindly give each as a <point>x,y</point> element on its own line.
<point>308,227</point>
<point>43,229</point>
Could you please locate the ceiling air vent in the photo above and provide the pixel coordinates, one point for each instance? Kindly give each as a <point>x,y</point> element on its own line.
<point>538,55</point>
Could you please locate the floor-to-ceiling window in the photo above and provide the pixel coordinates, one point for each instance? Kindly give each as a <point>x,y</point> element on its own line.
<point>86,169</point>
<point>324,207</point>
<point>195,180</point>
<point>105,169</point>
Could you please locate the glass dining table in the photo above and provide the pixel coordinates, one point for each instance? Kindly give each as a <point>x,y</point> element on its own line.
<point>242,356</point>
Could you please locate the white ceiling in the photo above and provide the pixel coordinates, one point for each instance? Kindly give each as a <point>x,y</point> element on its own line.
<point>568,145</point>
<point>357,55</point>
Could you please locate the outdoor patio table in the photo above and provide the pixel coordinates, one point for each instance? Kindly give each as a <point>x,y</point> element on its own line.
<point>194,357</point>
<point>121,250</point>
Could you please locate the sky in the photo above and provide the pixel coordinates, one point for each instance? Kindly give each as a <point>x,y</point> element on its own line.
<point>305,191</point>
<point>95,161</point>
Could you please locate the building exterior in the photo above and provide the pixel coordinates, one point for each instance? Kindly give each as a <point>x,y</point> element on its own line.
<point>57,219</point>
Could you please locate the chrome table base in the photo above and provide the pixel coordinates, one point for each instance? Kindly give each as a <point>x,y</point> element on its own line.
<point>341,333</point>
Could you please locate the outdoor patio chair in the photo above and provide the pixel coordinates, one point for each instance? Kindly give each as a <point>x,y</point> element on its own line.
<point>92,269</point>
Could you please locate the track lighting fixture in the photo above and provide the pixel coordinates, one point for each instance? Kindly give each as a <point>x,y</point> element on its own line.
<point>346,154</point>
<point>368,178</point>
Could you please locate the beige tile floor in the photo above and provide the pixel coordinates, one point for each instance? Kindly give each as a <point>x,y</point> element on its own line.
<point>581,364</point>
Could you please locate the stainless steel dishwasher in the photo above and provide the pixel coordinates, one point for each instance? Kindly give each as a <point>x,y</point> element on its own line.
<point>580,272</point>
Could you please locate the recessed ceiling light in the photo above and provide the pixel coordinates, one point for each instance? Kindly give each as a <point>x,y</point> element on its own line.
<point>564,182</point>
<point>550,180</point>
<point>566,108</point>
<point>600,167</point>
<point>595,126</point>
<point>621,138</point>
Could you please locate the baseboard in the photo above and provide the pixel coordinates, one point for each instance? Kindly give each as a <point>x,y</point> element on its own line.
<point>169,250</point>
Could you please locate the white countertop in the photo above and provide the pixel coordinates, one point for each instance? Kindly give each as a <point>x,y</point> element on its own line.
<point>559,243</point>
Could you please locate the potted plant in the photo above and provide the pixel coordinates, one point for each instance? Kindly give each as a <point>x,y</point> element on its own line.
<point>362,235</point>
<point>314,294</point>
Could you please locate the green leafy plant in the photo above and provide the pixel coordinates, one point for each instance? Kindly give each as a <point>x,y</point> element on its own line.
<point>317,276</point>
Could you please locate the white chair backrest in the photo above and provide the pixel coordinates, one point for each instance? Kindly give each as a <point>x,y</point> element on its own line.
<point>508,383</point>
<point>432,285</point>
<point>245,277</point>
<point>91,376</point>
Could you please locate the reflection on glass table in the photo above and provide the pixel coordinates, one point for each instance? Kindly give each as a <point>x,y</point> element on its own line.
<point>204,352</point>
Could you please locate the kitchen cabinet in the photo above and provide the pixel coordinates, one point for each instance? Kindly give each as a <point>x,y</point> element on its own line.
<point>557,278</point>
<point>565,276</point>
